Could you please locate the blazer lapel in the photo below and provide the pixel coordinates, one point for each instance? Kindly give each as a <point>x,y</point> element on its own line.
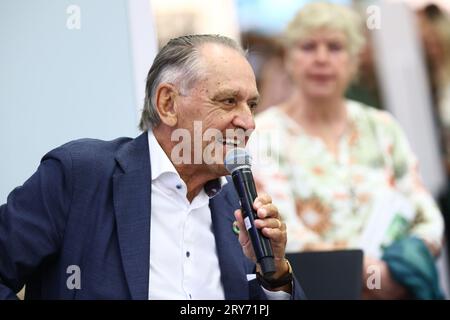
<point>233,273</point>
<point>132,204</point>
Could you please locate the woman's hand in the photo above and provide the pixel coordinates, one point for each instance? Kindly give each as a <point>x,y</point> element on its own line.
<point>378,282</point>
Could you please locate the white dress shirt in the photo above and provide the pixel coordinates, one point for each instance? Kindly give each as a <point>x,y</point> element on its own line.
<point>183,256</point>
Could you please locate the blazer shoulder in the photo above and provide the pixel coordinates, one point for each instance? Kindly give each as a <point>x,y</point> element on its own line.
<point>88,153</point>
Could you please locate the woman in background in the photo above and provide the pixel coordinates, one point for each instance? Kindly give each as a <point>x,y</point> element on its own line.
<point>339,169</point>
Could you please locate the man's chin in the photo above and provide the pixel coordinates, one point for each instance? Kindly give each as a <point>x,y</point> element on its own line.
<point>219,170</point>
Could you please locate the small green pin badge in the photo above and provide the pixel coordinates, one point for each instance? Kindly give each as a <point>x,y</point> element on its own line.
<point>235,227</point>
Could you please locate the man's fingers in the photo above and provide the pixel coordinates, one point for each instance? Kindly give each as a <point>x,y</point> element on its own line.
<point>261,200</point>
<point>238,216</point>
<point>270,223</point>
<point>272,233</point>
<point>268,211</point>
<point>277,236</point>
<point>243,235</point>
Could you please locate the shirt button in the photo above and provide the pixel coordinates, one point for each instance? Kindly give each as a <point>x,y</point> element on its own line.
<point>179,186</point>
<point>188,254</point>
<point>190,297</point>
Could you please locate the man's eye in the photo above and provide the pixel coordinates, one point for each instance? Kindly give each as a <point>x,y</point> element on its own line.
<point>229,101</point>
<point>253,105</point>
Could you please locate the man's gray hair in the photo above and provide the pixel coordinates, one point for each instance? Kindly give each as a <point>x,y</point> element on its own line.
<point>177,63</point>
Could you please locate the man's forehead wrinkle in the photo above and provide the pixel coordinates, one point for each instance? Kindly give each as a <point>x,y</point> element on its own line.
<point>218,78</point>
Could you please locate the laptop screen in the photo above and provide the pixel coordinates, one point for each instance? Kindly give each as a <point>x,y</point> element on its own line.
<point>326,275</point>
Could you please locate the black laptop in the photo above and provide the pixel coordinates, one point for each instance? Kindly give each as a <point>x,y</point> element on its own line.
<point>329,275</point>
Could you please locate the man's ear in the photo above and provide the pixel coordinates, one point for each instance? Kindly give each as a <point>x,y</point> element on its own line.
<point>165,104</point>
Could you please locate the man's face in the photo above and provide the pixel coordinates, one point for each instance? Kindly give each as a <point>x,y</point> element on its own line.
<point>219,103</point>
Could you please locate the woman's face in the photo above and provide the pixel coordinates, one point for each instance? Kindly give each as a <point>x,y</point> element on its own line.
<point>320,64</point>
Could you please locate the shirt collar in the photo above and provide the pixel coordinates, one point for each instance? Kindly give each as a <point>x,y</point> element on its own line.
<point>160,164</point>
<point>213,187</point>
<point>159,161</point>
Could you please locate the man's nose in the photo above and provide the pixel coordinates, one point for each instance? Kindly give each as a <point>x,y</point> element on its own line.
<point>244,119</point>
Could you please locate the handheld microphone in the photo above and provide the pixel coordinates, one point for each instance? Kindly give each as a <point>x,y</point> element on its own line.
<point>238,164</point>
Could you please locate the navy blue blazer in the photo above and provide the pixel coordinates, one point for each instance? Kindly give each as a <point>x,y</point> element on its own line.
<point>88,205</point>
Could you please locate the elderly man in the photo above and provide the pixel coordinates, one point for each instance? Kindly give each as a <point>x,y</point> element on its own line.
<point>123,220</point>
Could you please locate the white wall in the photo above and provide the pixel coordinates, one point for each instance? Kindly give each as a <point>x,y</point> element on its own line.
<point>58,84</point>
<point>405,88</point>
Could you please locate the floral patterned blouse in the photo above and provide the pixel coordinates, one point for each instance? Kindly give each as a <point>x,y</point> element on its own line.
<point>328,199</point>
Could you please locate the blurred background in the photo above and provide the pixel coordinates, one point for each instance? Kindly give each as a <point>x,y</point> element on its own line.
<point>74,69</point>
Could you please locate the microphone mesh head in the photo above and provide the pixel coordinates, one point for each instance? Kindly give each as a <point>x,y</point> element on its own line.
<point>237,158</point>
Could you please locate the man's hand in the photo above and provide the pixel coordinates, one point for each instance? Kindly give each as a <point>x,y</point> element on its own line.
<point>271,226</point>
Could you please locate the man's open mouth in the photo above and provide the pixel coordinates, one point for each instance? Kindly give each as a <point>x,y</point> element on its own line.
<point>230,142</point>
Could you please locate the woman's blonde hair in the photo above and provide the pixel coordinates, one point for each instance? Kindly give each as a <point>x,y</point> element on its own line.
<point>325,15</point>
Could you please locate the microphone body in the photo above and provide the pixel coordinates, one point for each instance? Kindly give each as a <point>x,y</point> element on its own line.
<point>245,187</point>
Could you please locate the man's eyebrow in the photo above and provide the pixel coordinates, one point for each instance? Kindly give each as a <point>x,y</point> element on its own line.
<point>226,93</point>
<point>233,93</point>
<point>255,98</point>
